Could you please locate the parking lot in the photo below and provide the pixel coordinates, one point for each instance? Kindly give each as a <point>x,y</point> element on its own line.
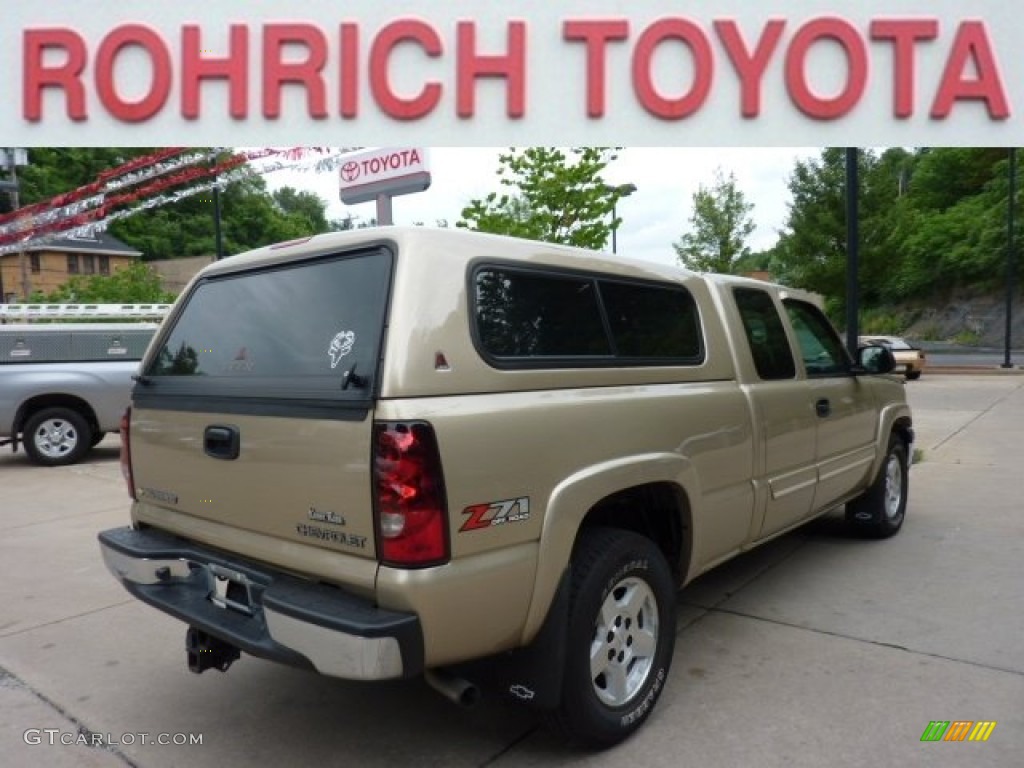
<point>815,650</point>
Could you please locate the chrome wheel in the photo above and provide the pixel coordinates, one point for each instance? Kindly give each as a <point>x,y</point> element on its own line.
<point>55,438</point>
<point>893,487</point>
<point>625,640</point>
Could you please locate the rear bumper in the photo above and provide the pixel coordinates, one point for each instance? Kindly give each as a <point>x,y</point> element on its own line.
<point>265,612</point>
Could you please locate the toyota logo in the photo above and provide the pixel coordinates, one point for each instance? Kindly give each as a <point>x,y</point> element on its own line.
<point>350,171</point>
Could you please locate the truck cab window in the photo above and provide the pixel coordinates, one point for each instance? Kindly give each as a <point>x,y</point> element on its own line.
<point>822,351</point>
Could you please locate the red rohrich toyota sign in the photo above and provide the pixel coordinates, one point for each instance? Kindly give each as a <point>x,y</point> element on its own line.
<point>219,72</point>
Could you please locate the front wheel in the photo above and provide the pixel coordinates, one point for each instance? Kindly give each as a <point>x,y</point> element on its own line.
<point>56,436</point>
<point>621,635</point>
<point>880,512</point>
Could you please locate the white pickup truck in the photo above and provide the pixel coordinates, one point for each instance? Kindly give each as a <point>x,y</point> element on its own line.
<point>63,386</point>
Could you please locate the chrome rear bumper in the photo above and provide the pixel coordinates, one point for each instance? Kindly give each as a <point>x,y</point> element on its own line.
<point>265,612</point>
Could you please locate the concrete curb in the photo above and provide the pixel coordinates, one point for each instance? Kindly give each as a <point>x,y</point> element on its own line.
<point>974,370</point>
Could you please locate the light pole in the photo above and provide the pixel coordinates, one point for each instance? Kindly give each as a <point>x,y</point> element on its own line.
<point>1011,257</point>
<point>15,157</point>
<point>617,192</point>
<point>218,237</point>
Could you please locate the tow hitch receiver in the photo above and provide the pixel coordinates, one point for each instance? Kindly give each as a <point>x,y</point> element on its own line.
<point>207,652</point>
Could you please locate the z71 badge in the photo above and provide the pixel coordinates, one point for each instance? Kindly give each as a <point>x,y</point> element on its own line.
<point>496,513</point>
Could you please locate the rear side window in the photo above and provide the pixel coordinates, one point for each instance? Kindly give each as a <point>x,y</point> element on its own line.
<point>520,314</point>
<point>765,333</point>
<point>651,322</point>
<point>528,318</point>
<point>290,331</point>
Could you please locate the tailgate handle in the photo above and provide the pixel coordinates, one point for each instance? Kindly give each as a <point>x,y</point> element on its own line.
<point>221,442</point>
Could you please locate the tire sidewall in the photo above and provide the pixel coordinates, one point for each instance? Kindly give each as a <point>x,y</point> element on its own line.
<point>898,449</point>
<point>867,514</point>
<point>629,556</point>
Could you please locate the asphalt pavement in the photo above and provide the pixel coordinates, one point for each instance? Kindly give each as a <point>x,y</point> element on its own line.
<point>815,650</point>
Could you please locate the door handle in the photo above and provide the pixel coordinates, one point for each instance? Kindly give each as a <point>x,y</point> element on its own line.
<point>221,442</point>
<point>823,407</point>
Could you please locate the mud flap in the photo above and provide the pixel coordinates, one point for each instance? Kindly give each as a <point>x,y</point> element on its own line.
<point>531,675</point>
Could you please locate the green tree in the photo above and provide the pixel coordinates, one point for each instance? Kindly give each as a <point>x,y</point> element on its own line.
<point>308,207</point>
<point>136,283</point>
<point>56,170</point>
<point>753,261</point>
<point>720,225</point>
<point>551,195</point>
<point>812,248</point>
<point>931,221</point>
<point>953,231</point>
<point>349,222</point>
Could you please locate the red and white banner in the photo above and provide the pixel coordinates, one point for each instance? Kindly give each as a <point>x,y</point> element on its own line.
<point>166,176</point>
<point>465,72</point>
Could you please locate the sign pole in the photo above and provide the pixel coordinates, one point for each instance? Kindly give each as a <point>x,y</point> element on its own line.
<point>381,175</point>
<point>384,215</point>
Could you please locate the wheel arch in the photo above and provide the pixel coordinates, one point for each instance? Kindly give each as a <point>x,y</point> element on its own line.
<point>902,426</point>
<point>894,419</point>
<point>659,511</point>
<point>54,400</point>
<point>649,495</point>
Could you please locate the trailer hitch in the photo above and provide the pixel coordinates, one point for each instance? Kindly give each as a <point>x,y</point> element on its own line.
<point>208,652</point>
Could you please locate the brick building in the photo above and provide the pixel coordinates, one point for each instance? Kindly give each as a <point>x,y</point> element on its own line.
<point>47,266</point>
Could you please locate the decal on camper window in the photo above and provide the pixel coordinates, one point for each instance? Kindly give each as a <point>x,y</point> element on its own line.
<point>340,346</point>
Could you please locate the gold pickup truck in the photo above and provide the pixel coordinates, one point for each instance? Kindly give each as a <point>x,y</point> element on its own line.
<point>489,461</point>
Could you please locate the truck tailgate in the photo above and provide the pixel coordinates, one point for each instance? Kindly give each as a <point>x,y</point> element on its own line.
<point>274,486</point>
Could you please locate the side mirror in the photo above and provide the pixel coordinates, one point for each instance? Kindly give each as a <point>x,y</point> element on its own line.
<point>875,359</point>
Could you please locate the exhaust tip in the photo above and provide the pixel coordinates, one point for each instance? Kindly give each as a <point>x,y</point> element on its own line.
<point>452,687</point>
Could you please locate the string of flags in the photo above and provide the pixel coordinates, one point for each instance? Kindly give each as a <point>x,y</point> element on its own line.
<point>143,183</point>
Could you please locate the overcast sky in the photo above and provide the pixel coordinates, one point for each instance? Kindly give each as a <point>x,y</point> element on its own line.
<point>653,218</point>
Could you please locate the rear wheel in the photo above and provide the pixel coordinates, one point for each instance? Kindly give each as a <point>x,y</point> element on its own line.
<point>913,375</point>
<point>880,512</point>
<point>620,639</point>
<point>56,436</point>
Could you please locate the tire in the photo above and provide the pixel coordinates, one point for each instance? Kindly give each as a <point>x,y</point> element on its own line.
<point>620,640</point>
<point>97,438</point>
<point>880,512</point>
<point>56,436</point>
<point>913,375</point>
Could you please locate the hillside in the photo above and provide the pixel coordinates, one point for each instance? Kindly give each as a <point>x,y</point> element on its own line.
<point>974,320</point>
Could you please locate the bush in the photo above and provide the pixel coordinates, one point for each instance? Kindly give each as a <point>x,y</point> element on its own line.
<point>881,323</point>
<point>136,283</point>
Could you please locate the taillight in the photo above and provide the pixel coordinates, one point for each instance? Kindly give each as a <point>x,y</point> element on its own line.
<point>126,451</point>
<point>410,504</point>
